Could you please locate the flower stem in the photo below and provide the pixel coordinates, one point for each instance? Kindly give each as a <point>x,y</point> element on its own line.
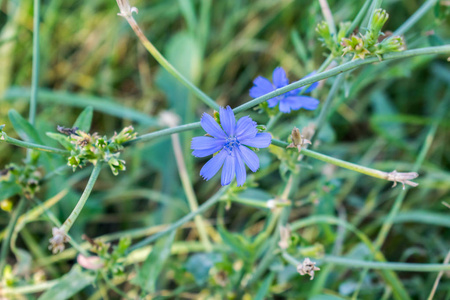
<point>358,17</point>
<point>169,68</point>
<point>11,225</point>
<point>356,263</point>
<point>13,141</point>
<point>189,191</point>
<point>337,162</point>
<point>87,191</point>
<point>209,203</point>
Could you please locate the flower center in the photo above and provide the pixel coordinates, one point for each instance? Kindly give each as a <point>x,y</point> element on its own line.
<point>230,143</point>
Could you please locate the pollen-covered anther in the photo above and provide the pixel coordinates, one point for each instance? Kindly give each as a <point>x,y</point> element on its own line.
<point>307,267</point>
<point>298,140</point>
<point>58,240</point>
<point>403,178</point>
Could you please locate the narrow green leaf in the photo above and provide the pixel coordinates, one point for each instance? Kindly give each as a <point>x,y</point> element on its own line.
<point>84,120</point>
<point>69,285</point>
<point>152,267</point>
<point>23,128</point>
<point>62,139</point>
<point>8,189</point>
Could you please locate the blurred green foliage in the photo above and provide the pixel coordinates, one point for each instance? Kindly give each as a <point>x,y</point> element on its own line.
<point>380,118</point>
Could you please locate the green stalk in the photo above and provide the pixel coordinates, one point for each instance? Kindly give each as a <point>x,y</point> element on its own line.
<point>11,225</point>
<point>35,67</point>
<point>358,17</point>
<point>326,106</point>
<point>356,263</point>
<point>87,191</point>
<point>205,206</point>
<point>167,65</point>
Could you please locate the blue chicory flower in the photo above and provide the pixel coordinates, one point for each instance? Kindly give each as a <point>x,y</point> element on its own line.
<point>287,101</point>
<point>231,140</point>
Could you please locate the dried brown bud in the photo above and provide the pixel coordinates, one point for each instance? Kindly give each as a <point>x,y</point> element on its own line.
<point>57,241</point>
<point>307,267</point>
<point>297,140</point>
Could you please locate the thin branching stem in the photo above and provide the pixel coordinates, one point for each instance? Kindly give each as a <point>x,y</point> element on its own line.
<point>168,66</point>
<point>87,191</point>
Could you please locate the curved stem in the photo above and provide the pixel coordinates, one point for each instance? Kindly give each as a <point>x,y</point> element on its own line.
<point>11,225</point>
<point>87,191</point>
<point>166,65</point>
<point>28,145</point>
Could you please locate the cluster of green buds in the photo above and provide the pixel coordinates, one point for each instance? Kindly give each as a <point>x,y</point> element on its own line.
<point>332,41</point>
<point>107,257</point>
<point>374,41</point>
<point>85,147</point>
<point>19,180</point>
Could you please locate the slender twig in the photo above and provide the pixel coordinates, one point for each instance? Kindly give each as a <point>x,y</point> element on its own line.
<point>165,64</point>
<point>189,191</point>
<point>438,278</point>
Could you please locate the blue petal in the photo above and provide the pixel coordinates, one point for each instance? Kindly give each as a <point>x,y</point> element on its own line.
<point>273,102</point>
<point>261,140</point>
<point>205,146</point>
<point>241,175</point>
<point>228,170</point>
<point>285,105</point>
<point>246,128</point>
<point>261,87</point>
<point>279,77</point>
<point>250,158</point>
<point>210,126</point>
<point>297,102</point>
<point>213,165</point>
<point>227,120</point>
<point>204,143</point>
<point>313,86</point>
